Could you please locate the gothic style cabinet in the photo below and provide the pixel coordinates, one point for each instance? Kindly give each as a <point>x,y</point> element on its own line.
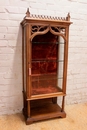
<point>45,54</point>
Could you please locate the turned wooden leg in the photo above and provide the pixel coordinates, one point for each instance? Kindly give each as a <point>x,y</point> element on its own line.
<point>63,101</point>
<point>28,108</point>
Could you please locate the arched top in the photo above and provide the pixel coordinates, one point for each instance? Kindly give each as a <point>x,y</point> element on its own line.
<point>46,30</point>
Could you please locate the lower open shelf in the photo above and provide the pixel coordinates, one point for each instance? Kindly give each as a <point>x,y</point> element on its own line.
<point>44,111</point>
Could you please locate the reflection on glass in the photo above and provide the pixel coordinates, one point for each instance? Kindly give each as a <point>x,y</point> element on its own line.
<point>60,64</point>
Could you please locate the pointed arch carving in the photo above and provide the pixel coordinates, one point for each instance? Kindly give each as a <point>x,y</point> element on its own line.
<point>57,33</point>
<point>41,30</point>
<point>39,33</point>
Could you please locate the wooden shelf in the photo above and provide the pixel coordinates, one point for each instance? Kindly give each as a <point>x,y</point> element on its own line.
<point>45,90</point>
<point>44,110</point>
<point>47,42</point>
<point>46,60</point>
<point>48,75</point>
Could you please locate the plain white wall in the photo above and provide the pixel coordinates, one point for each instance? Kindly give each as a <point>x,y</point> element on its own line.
<point>11,14</point>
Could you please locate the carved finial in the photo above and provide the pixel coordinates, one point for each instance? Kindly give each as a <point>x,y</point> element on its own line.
<point>27,13</point>
<point>68,17</point>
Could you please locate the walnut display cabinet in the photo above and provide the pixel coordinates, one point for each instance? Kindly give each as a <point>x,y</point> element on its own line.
<point>45,54</point>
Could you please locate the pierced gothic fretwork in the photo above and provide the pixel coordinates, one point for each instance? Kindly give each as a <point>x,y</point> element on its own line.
<point>37,28</point>
<point>40,29</point>
<point>58,29</point>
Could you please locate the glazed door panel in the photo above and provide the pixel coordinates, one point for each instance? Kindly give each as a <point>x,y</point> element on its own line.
<point>47,65</point>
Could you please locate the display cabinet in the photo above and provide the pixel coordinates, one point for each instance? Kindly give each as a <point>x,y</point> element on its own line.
<point>45,54</point>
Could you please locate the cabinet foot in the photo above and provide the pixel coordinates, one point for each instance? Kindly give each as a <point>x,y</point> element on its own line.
<point>46,117</point>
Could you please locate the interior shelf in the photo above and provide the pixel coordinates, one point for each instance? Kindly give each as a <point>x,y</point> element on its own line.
<point>47,76</point>
<point>46,60</point>
<point>47,42</point>
<point>45,90</point>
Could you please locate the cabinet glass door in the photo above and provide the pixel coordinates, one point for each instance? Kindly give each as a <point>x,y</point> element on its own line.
<point>47,64</point>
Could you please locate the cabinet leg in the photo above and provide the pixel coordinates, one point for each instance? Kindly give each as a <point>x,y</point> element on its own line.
<point>63,101</point>
<point>24,104</point>
<point>28,108</point>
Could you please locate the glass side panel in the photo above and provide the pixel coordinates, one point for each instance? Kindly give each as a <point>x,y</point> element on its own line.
<point>60,65</point>
<point>46,65</point>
